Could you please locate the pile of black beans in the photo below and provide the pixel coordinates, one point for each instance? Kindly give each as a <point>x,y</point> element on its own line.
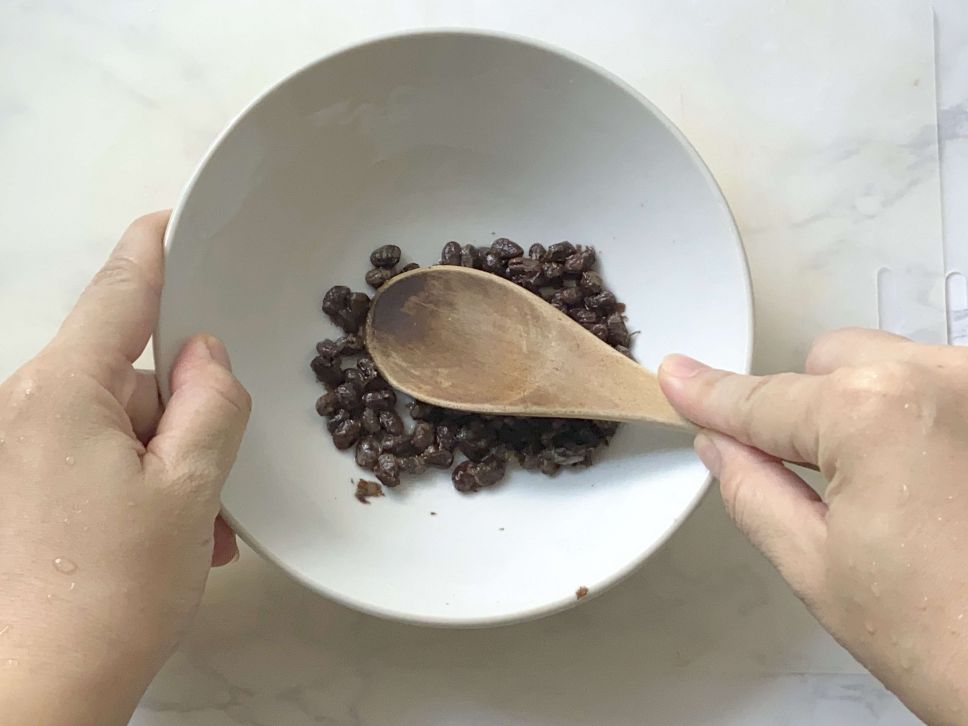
<point>361,409</point>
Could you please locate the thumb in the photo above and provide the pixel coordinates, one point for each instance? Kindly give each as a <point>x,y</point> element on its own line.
<point>777,510</point>
<point>200,431</point>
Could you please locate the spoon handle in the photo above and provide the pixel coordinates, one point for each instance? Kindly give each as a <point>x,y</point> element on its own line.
<point>623,390</point>
<point>646,402</point>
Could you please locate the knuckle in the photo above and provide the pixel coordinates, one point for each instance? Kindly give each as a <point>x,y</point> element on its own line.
<point>732,489</point>
<point>748,413</point>
<point>33,387</point>
<point>874,388</point>
<point>231,390</point>
<point>825,348</point>
<point>118,271</point>
<point>194,474</point>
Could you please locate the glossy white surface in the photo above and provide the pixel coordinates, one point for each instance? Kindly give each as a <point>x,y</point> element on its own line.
<point>417,140</point>
<point>705,633</point>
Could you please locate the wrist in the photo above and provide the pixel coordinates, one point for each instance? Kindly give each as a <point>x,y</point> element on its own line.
<point>65,670</point>
<point>35,695</point>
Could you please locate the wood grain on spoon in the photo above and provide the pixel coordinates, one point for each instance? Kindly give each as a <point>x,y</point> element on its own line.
<point>473,341</point>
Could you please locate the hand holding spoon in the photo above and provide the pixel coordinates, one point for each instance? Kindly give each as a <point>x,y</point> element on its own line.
<point>472,341</point>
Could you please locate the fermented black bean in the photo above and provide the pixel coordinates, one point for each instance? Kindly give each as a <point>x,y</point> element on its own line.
<point>618,332</point>
<point>391,422</point>
<point>346,433</point>
<point>381,400</point>
<point>326,404</point>
<point>440,458</point>
<point>387,470</point>
<point>367,452</point>
<point>385,256</point>
<point>348,396</point>
<point>451,254</point>
<point>494,264</point>
<point>506,249</point>
<point>371,421</point>
<point>379,275</point>
<point>560,251</point>
<point>327,373</point>
<point>470,256</point>
<point>423,435</point>
<point>335,299</point>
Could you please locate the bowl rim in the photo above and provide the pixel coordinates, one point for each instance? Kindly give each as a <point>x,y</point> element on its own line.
<point>620,574</point>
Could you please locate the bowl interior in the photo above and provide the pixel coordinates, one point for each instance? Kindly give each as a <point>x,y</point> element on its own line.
<point>417,140</point>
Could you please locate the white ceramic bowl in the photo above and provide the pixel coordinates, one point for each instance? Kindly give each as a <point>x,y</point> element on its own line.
<point>418,139</point>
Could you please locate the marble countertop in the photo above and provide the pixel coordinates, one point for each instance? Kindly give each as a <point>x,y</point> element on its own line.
<point>699,635</point>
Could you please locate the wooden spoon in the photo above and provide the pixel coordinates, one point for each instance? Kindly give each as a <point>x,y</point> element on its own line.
<point>473,341</point>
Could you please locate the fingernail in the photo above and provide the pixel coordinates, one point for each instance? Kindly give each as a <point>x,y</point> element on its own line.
<point>708,453</point>
<point>235,557</point>
<point>216,349</point>
<point>681,366</point>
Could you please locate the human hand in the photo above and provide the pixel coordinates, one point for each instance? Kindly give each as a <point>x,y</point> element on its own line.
<point>878,560</point>
<point>108,507</point>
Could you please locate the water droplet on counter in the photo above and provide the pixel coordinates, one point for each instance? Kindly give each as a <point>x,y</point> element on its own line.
<point>961,616</point>
<point>905,493</point>
<point>902,545</point>
<point>5,629</point>
<point>924,603</point>
<point>875,589</point>
<point>870,628</point>
<point>21,438</point>
<point>28,392</point>
<point>71,588</point>
<point>950,497</point>
<point>12,662</point>
<point>69,460</point>
<point>64,565</point>
<point>940,518</point>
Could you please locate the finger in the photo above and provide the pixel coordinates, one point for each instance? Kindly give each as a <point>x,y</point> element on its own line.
<point>115,315</point>
<point>144,405</point>
<point>226,548</point>
<point>777,511</point>
<point>200,431</point>
<point>775,414</point>
<point>854,347</point>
